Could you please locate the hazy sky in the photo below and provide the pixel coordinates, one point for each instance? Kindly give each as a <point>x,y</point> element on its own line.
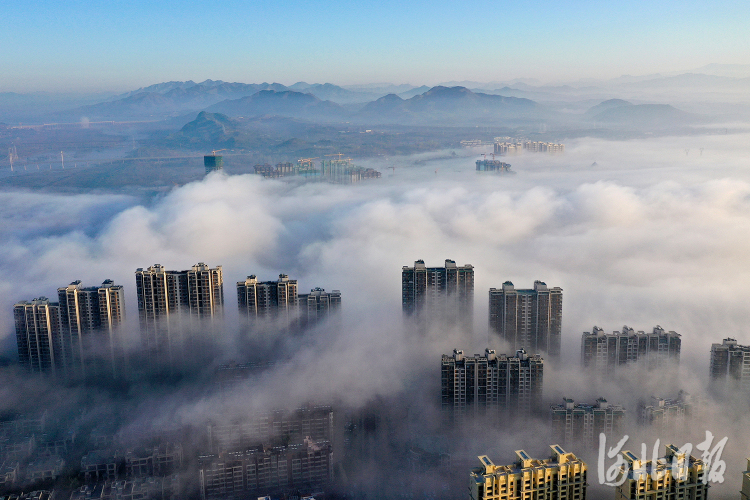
<point>119,45</point>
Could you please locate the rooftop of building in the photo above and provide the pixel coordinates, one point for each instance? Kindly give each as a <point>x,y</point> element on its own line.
<point>730,344</point>
<point>524,462</point>
<point>637,468</point>
<point>627,331</point>
<point>600,404</point>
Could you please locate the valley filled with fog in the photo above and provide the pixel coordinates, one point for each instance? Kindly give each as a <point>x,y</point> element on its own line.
<point>641,232</point>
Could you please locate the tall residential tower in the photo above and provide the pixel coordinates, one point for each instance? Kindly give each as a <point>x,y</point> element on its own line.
<point>268,299</point>
<point>608,352</point>
<point>444,294</point>
<point>530,318</point>
<point>169,300</point>
<point>496,385</point>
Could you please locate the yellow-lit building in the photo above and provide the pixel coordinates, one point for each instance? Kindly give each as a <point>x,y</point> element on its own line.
<point>745,493</point>
<point>675,476</point>
<point>562,476</point>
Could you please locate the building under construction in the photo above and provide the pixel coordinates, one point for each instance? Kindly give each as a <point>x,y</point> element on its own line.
<point>213,162</point>
<point>493,166</point>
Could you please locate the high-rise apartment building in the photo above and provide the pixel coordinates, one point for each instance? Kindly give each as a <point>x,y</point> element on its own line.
<point>318,305</point>
<point>606,352</point>
<point>205,288</point>
<point>581,424</point>
<point>562,476</point>
<point>166,298</point>
<point>445,294</point>
<point>38,335</point>
<point>730,365</point>
<point>74,335</point>
<point>666,415</point>
<point>676,475</point>
<point>530,318</point>
<point>89,319</point>
<point>495,385</point>
<point>268,299</point>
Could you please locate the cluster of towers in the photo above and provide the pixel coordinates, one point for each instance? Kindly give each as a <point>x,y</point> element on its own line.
<point>81,334</point>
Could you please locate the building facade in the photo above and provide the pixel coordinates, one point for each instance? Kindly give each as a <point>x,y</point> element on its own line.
<point>212,163</point>
<point>666,415</point>
<point>89,322</point>
<point>315,422</point>
<point>730,366</point>
<point>607,352</point>
<point>530,319</point>
<point>265,470</point>
<point>38,336</point>
<point>318,305</point>
<point>745,493</point>
<point>169,300</point>
<point>495,385</point>
<point>581,424</point>
<point>562,476</point>
<point>268,299</point>
<point>444,294</point>
<point>676,475</point>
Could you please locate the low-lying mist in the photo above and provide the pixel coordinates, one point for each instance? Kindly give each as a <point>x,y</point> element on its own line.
<point>638,233</point>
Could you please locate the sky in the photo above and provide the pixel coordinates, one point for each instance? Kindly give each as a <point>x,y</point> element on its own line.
<point>117,46</point>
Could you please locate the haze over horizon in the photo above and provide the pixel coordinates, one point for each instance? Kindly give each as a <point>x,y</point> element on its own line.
<point>80,46</point>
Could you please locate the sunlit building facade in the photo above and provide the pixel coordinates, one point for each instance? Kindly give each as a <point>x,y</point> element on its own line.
<point>677,475</point>
<point>745,493</point>
<point>562,476</point>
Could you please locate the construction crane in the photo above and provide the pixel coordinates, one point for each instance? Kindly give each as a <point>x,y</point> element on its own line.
<point>307,160</point>
<point>213,153</point>
<point>337,154</point>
